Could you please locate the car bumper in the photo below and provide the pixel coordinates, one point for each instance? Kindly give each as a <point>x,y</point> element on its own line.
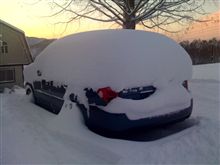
<point>111,125</point>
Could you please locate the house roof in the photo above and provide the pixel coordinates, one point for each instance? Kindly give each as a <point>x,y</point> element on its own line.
<point>11,26</point>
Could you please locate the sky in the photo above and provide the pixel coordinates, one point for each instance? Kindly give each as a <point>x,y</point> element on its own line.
<point>33,18</point>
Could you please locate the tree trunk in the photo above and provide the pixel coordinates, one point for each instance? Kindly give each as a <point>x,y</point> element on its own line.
<point>129,23</point>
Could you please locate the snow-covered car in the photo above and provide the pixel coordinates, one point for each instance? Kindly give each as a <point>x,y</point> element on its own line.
<point>121,80</point>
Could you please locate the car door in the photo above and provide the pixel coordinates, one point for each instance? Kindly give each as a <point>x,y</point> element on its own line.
<point>49,96</point>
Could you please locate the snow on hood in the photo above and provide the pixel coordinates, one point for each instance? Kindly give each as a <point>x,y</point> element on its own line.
<point>116,58</point>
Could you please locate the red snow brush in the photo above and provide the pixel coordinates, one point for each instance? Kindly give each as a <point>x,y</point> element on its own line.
<point>107,94</point>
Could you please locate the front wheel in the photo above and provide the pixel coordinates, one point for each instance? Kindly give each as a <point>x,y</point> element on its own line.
<point>29,92</point>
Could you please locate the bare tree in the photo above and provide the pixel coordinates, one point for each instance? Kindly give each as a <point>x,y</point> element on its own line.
<point>128,13</point>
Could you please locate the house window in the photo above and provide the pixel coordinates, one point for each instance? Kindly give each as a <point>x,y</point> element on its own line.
<point>7,75</point>
<point>4,47</point>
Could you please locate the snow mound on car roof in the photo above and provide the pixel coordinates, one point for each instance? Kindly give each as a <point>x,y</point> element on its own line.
<point>116,58</point>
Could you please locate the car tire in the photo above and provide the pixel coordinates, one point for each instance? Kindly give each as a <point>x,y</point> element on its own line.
<point>30,92</point>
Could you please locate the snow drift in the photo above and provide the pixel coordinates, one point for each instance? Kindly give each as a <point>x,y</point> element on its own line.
<point>116,58</point>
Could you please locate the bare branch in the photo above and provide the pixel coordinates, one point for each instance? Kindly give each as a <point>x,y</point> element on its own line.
<point>127,13</point>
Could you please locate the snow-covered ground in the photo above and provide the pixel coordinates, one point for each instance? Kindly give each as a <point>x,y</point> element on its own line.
<point>31,135</point>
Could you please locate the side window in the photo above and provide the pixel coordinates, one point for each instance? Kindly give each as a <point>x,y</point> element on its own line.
<point>7,75</point>
<point>4,47</point>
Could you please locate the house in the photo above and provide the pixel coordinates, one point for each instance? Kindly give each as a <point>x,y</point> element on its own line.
<point>14,54</point>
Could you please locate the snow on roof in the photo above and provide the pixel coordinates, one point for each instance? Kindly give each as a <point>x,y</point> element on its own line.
<point>11,26</point>
<point>116,58</point>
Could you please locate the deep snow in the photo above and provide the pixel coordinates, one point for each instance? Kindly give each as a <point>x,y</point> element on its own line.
<point>103,58</point>
<point>31,135</point>
<point>106,58</point>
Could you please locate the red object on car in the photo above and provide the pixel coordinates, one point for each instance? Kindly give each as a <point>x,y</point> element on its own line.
<point>107,94</point>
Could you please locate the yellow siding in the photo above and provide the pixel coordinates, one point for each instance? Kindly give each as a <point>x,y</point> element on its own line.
<point>17,49</point>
